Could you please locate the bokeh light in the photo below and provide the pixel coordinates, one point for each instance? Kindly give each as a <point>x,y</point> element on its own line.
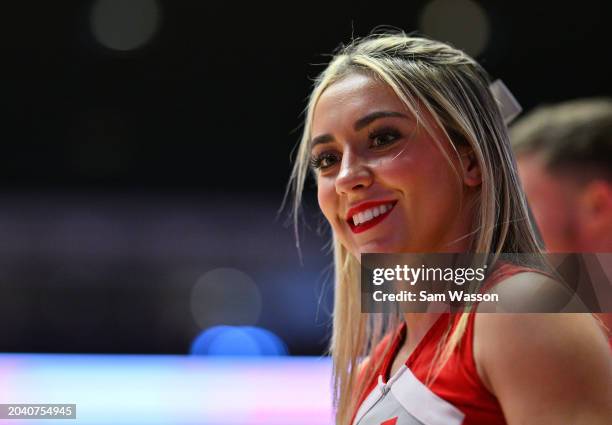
<point>462,23</point>
<point>238,341</point>
<point>125,25</point>
<point>225,296</point>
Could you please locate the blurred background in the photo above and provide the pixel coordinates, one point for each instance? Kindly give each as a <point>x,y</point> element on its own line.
<point>146,149</point>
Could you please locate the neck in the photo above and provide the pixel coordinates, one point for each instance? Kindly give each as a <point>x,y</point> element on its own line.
<point>417,326</point>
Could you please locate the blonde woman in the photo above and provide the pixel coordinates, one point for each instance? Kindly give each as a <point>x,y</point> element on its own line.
<point>410,154</point>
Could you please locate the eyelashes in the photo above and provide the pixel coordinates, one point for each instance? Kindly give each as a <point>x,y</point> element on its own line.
<point>378,139</point>
<point>383,137</point>
<point>320,161</point>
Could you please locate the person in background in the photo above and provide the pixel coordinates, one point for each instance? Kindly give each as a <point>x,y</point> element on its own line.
<point>564,156</point>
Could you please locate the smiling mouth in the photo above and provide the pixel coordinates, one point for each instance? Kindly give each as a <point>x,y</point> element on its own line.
<point>370,217</point>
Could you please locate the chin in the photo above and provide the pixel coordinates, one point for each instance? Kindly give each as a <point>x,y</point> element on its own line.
<point>379,247</point>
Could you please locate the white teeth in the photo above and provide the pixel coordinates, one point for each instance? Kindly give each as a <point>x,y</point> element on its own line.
<point>369,214</point>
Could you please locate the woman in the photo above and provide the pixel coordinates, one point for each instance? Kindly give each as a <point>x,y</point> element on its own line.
<point>410,154</point>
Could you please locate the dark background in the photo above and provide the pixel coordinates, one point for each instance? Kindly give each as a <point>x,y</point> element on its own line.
<point>127,175</point>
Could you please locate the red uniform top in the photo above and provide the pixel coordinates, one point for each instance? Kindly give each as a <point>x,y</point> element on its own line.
<point>457,396</point>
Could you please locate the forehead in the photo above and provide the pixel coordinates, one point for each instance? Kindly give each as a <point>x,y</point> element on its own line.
<point>352,97</point>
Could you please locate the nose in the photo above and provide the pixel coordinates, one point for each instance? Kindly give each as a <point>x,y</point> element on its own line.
<point>354,174</point>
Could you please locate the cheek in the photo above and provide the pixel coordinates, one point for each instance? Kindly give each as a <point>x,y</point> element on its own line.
<point>421,175</point>
<point>398,170</point>
<point>552,216</point>
<point>546,204</point>
<point>326,195</point>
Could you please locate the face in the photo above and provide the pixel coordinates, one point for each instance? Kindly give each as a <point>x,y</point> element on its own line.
<point>384,184</point>
<point>552,201</point>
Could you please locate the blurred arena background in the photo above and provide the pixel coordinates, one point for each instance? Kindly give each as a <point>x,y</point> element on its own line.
<point>146,148</point>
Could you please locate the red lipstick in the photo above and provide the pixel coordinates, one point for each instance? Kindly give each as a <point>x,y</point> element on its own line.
<point>362,227</point>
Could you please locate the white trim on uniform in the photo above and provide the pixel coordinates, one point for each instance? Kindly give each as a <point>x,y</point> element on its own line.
<point>414,397</point>
<point>422,403</point>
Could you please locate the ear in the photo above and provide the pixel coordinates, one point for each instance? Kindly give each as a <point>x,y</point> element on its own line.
<point>595,205</point>
<point>472,176</point>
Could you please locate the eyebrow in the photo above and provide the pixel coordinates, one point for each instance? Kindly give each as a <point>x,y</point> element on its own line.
<point>359,125</point>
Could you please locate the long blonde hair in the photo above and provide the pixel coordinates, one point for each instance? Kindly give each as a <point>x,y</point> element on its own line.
<point>454,90</point>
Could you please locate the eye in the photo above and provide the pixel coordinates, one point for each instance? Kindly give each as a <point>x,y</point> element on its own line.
<point>324,161</point>
<point>383,137</point>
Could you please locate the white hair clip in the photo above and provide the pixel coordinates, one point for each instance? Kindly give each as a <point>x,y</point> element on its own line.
<point>508,105</point>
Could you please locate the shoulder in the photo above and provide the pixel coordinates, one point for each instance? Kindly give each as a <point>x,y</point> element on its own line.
<point>541,363</point>
<point>528,291</point>
<point>542,337</point>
